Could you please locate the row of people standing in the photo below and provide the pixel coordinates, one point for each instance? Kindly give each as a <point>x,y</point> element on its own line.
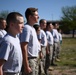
<point>50,44</point>
<point>12,55</point>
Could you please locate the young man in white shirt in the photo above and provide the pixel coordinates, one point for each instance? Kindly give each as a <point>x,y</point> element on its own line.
<point>29,43</point>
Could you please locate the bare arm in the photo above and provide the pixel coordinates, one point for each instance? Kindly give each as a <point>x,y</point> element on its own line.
<point>1,66</point>
<point>25,57</point>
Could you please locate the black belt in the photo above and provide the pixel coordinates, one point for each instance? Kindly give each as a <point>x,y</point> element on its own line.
<point>32,57</point>
<point>7,73</point>
<point>55,42</point>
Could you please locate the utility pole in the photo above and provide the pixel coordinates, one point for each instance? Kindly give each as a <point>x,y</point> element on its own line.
<point>52,16</point>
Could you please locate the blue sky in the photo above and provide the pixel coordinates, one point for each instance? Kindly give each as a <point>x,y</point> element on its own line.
<point>48,9</point>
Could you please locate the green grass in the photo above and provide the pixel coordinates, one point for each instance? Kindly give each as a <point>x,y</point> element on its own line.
<point>67,64</point>
<point>68,53</point>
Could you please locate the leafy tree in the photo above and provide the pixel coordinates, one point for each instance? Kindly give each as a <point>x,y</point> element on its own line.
<point>69,18</point>
<point>4,14</point>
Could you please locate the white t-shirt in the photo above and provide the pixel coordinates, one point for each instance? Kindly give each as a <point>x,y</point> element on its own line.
<point>2,34</point>
<point>43,38</point>
<point>10,50</point>
<point>60,37</point>
<point>55,35</point>
<point>29,35</point>
<point>49,37</point>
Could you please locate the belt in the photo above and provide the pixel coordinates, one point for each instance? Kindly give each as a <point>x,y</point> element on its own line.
<point>55,42</point>
<point>8,73</point>
<point>32,57</point>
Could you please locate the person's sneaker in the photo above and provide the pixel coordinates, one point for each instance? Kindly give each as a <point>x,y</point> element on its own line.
<point>57,59</point>
<point>50,68</point>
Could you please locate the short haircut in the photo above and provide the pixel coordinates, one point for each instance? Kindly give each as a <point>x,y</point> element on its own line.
<point>12,17</point>
<point>30,11</point>
<point>36,26</point>
<point>41,21</point>
<point>48,24</point>
<point>1,19</point>
<point>53,23</point>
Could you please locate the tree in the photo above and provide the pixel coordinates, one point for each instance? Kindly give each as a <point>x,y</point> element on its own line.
<point>4,14</point>
<point>69,18</point>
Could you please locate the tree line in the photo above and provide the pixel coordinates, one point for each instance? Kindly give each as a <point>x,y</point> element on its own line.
<point>68,18</point>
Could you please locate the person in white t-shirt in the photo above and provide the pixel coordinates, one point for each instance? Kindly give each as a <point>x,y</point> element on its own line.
<point>60,41</point>
<point>56,41</point>
<point>29,42</point>
<point>60,36</point>
<point>10,50</point>
<point>50,42</point>
<point>43,38</point>
<point>2,28</point>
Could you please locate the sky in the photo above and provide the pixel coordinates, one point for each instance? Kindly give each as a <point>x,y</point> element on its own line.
<point>47,9</point>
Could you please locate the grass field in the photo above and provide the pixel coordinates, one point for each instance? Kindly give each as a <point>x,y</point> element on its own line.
<point>67,65</point>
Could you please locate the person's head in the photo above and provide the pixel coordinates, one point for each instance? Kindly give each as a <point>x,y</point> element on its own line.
<point>59,30</point>
<point>2,23</point>
<point>49,26</point>
<point>42,23</point>
<point>15,22</point>
<point>56,25</point>
<point>37,28</point>
<point>31,15</point>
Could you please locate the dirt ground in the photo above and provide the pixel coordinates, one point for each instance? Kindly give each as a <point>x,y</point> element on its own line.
<point>63,72</point>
